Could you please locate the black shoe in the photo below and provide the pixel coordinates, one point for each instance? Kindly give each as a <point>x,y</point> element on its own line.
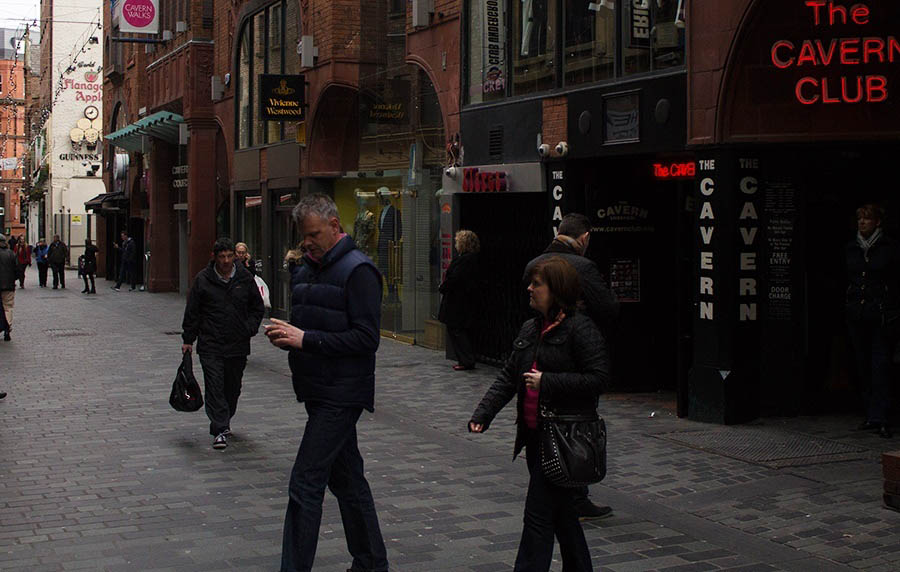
<point>2,394</point>
<point>116,288</point>
<point>586,510</point>
<point>884,431</point>
<point>220,442</point>
<point>6,337</point>
<point>55,287</point>
<point>84,291</point>
<point>867,426</point>
<point>92,291</point>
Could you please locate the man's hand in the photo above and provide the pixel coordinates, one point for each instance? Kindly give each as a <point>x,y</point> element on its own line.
<point>284,335</point>
<point>187,348</point>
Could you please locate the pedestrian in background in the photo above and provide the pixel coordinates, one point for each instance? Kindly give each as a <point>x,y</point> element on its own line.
<point>332,337</point>
<point>127,259</point>
<point>7,285</point>
<point>873,312</point>
<point>89,267</point>
<point>459,298</point>
<point>242,255</point>
<point>597,300</point>
<point>223,312</point>
<point>558,362</point>
<point>57,254</point>
<point>40,258</point>
<point>23,259</point>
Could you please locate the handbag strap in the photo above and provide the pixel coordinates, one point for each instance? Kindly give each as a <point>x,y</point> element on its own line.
<point>551,415</point>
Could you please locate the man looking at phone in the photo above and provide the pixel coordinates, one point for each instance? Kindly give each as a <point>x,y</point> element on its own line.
<point>332,337</point>
<point>223,312</point>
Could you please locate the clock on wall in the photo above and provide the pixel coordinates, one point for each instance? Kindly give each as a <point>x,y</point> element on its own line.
<point>91,112</point>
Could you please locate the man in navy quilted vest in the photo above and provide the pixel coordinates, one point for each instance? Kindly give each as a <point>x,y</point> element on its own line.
<point>332,338</point>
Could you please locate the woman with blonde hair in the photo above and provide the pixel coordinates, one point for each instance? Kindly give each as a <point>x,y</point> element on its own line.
<point>459,290</point>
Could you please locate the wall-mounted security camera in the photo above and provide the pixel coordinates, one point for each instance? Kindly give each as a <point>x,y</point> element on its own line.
<point>452,172</point>
<point>562,148</point>
<point>543,150</point>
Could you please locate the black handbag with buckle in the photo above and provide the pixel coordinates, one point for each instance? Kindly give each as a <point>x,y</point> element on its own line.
<point>573,448</point>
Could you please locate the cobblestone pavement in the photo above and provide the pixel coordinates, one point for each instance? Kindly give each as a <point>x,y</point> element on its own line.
<point>98,473</point>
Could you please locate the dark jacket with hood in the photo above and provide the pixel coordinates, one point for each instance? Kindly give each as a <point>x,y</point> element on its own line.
<point>460,292</point>
<point>600,304</point>
<point>873,291</point>
<point>575,366</point>
<point>222,316</point>
<point>336,301</point>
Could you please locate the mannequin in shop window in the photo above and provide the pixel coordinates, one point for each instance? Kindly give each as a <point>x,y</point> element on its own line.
<point>364,225</point>
<point>390,232</point>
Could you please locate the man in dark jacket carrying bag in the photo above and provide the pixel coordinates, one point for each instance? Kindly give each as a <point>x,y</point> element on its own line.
<point>223,312</point>
<point>600,304</point>
<point>332,337</point>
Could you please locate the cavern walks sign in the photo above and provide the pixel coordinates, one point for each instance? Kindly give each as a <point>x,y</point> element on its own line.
<point>281,97</point>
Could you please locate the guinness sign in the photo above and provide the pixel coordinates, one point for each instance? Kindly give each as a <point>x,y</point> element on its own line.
<point>281,97</point>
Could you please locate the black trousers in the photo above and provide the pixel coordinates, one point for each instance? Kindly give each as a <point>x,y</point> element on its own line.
<point>462,345</point>
<point>222,385</point>
<point>42,274</point>
<point>329,456</point>
<point>59,273</point>
<point>549,512</point>
<point>872,350</point>
<point>127,273</point>
<point>91,276</point>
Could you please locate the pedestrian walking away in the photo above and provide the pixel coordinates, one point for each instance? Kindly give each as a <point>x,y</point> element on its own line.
<point>223,312</point>
<point>873,313</point>
<point>127,262</point>
<point>7,286</point>
<point>89,266</point>
<point>57,255</point>
<point>22,251</point>
<point>597,300</point>
<point>459,298</point>
<point>332,338</point>
<point>40,258</point>
<point>558,364</point>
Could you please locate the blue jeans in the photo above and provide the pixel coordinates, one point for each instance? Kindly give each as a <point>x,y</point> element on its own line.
<point>549,512</point>
<point>872,351</point>
<point>329,456</point>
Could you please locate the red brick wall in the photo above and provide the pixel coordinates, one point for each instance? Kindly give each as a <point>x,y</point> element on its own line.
<point>555,115</point>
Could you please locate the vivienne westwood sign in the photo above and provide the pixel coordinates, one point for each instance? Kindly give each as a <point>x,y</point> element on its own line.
<point>281,97</point>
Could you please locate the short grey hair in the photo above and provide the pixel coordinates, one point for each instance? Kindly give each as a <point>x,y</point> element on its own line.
<point>315,204</point>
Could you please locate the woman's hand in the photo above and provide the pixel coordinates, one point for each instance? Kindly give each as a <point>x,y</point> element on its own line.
<point>284,335</point>
<point>533,379</point>
<point>475,427</point>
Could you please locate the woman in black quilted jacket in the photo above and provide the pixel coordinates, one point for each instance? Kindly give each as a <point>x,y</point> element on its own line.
<point>558,362</point>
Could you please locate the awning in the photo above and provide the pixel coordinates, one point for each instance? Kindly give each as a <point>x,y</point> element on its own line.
<point>162,125</point>
<point>106,201</point>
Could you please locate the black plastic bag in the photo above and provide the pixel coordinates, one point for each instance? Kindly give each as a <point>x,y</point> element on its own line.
<point>186,394</point>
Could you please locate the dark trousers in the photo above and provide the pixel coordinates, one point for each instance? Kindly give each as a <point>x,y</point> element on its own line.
<point>872,351</point>
<point>92,288</point>
<point>329,456</point>
<point>42,274</point>
<point>127,274</point>
<point>549,512</point>
<point>59,273</point>
<point>20,274</point>
<point>462,345</point>
<point>222,385</point>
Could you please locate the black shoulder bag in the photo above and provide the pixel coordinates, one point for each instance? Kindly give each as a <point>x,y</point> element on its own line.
<point>573,448</point>
<point>185,395</point>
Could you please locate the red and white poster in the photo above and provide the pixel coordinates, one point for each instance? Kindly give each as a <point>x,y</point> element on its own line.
<point>140,16</point>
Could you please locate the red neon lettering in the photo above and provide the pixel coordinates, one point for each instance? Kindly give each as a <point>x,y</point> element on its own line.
<point>859,13</point>
<point>780,63</point>
<point>798,90</point>
<point>893,48</point>
<point>836,9</point>
<point>674,170</point>
<point>815,5</point>
<point>876,84</point>
<point>825,98</point>
<point>823,57</point>
<point>859,90</point>
<point>873,47</point>
<point>807,55</point>
<point>849,47</point>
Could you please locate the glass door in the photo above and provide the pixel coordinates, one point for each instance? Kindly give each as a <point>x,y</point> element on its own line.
<point>284,249</point>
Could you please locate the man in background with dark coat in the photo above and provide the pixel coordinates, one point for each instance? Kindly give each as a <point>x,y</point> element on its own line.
<point>224,309</point>
<point>127,260</point>
<point>332,337</point>
<point>598,302</point>
<point>57,254</point>
<point>7,286</point>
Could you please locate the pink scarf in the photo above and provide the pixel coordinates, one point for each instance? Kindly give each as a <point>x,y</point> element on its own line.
<point>530,405</point>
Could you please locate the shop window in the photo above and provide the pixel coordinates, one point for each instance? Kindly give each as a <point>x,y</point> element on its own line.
<point>590,41</point>
<point>268,43</point>
<point>654,35</point>
<point>534,45</point>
